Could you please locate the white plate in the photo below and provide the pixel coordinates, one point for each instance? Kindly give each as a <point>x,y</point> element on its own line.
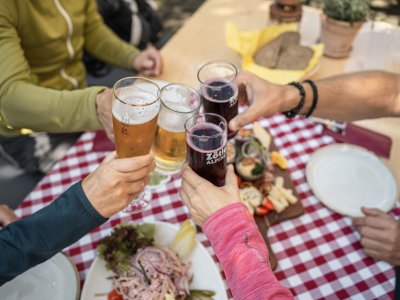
<point>345,177</point>
<point>56,279</point>
<point>206,273</point>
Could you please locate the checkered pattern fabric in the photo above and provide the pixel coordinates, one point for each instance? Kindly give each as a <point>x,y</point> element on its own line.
<point>319,253</point>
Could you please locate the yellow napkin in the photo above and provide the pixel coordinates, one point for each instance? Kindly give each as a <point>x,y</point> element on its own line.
<point>246,44</point>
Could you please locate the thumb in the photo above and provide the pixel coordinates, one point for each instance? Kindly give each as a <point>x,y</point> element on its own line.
<point>374,212</point>
<point>230,177</point>
<point>249,116</point>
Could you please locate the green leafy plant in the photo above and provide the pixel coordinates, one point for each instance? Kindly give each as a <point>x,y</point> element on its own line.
<point>347,10</point>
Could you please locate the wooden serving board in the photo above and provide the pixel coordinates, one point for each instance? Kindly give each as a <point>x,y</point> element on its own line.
<point>292,211</point>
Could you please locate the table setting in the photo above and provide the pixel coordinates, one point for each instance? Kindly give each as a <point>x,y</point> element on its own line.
<point>327,170</point>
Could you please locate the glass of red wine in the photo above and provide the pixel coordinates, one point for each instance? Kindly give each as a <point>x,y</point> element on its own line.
<point>206,138</point>
<point>218,90</point>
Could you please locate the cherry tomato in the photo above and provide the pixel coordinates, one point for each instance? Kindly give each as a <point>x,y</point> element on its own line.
<point>113,295</point>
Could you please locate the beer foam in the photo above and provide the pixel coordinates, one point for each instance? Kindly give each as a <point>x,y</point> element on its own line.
<point>174,121</point>
<point>134,113</point>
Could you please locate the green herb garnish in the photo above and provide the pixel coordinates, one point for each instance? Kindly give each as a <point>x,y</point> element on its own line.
<point>118,248</point>
<point>258,169</point>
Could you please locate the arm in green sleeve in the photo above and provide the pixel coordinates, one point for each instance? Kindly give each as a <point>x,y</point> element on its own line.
<point>25,105</point>
<point>103,43</point>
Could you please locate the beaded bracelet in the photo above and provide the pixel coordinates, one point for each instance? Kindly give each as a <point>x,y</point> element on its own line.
<point>295,111</point>
<point>315,97</point>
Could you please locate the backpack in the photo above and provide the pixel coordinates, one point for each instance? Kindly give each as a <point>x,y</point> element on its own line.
<point>134,21</point>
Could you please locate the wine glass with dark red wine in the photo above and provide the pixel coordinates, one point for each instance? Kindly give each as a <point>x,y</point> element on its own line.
<point>218,90</point>
<point>206,138</point>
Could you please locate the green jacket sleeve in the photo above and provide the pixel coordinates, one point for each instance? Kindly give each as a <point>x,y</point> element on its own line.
<point>103,43</point>
<point>25,105</point>
<point>32,240</point>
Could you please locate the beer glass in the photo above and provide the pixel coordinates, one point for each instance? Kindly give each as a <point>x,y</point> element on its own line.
<point>178,103</point>
<point>206,138</point>
<point>135,107</point>
<point>218,90</point>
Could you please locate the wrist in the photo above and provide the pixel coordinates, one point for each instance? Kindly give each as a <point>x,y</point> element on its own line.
<point>290,98</point>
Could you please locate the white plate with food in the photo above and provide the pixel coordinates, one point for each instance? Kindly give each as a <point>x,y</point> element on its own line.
<point>56,278</point>
<point>206,275</point>
<point>346,177</point>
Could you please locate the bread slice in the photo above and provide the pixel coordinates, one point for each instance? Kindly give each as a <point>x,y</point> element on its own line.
<point>289,38</point>
<point>295,57</point>
<point>267,55</point>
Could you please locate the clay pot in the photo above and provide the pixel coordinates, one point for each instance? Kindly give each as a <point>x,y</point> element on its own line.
<point>338,36</point>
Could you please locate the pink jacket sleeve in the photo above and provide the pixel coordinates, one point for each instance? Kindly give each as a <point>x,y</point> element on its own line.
<point>243,254</point>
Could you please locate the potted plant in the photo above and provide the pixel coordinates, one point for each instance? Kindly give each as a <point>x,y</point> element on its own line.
<point>341,20</point>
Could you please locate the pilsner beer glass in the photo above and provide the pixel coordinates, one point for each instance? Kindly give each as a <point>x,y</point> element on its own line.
<point>206,138</point>
<point>178,103</point>
<point>219,90</point>
<point>135,107</point>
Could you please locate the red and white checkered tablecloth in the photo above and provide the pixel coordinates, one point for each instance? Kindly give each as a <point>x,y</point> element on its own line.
<point>319,253</point>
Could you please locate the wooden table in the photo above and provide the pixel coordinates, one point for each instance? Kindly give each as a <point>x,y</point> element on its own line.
<point>202,38</point>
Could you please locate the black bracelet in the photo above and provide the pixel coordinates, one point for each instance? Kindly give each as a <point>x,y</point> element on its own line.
<point>315,97</point>
<point>295,111</point>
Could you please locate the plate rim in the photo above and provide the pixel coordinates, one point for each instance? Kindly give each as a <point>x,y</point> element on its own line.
<point>310,180</point>
<point>176,227</point>
<point>68,263</point>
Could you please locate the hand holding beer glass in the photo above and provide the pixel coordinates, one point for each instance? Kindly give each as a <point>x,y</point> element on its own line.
<point>206,138</point>
<point>178,103</point>
<point>218,90</point>
<point>135,107</point>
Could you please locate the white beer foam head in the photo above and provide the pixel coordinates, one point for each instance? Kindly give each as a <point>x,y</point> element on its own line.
<point>171,119</point>
<point>135,109</point>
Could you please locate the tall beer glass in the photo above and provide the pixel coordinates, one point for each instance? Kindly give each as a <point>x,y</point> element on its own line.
<point>178,103</point>
<point>218,90</point>
<point>135,107</point>
<point>206,139</point>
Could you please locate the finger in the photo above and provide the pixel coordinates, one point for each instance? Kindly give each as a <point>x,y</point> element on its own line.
<point>139,174</point>
<point>135,187</point>
<point>371,244</point>
<point>242,78</point>
<point>187,189</point>
<point>192,179</point>
<point>126,165</point>
<point>373,234</point>
<point>185,198</point>
<point>374,254</point>
<point>110,156</point>
<point>230,177</point>
<point>374,212</point>
<point>157,62</point>
<point>250,115</point>
<point>147,63</point>
<point>373,222</point>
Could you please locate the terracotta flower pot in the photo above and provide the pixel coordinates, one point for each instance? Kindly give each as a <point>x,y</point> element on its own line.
<point>338,36</point>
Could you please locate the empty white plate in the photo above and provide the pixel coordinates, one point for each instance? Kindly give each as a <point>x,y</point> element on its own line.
<point>56,279</point>
<point>346,177</point>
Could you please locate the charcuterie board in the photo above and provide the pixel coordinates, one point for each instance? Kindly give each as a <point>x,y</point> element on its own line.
<point>279,200</point>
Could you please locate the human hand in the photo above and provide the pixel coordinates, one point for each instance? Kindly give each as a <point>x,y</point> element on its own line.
<point>148,62</point>
<point>117,182</point>
<point>104,112</point>
<point>380,235</point>
<point>265,99</point>
<point>203,198</point>
<point>7,215</point>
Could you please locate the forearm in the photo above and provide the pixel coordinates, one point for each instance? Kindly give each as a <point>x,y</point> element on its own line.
<point>30,241</point>
<point>24,105</point>
<point>350,97</point>
<point>243,254</point>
